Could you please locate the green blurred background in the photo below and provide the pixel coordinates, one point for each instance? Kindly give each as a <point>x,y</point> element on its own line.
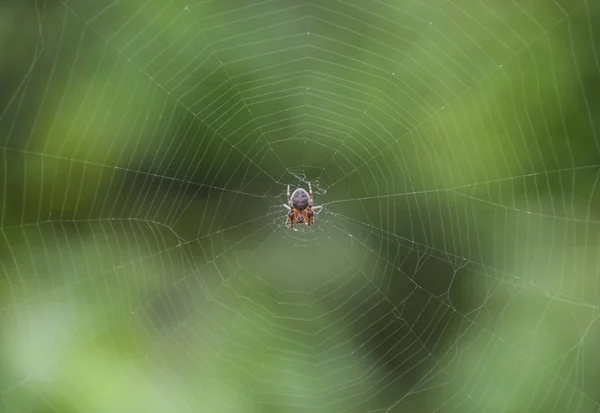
<point>146,147</point>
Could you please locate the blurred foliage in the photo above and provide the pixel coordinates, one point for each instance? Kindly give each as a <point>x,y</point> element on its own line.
<point>146,149</point>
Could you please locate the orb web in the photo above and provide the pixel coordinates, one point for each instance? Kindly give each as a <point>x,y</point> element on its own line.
<point>147,147</point>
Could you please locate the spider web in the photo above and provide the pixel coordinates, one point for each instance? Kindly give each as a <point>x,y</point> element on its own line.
<point>147,146</point>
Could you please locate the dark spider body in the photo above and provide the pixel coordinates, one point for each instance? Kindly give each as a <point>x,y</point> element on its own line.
<point>300,199</point>
<point>300,207</point>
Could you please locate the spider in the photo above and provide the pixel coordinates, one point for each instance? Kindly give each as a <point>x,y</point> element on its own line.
<point>300,207</point>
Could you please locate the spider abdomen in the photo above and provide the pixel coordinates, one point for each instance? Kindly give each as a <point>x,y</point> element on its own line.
<point>300,199</point>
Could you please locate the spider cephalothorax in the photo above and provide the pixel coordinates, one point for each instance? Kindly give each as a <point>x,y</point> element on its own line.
<point>300,207</point>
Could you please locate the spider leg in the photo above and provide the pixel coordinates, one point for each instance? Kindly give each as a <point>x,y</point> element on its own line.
<point>311,208</point>
<point>287,206</point>
<point>290,219</point>
<point>289,196</point>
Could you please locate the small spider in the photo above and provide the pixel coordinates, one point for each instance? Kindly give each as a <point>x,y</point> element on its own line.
<point>300,207</point>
